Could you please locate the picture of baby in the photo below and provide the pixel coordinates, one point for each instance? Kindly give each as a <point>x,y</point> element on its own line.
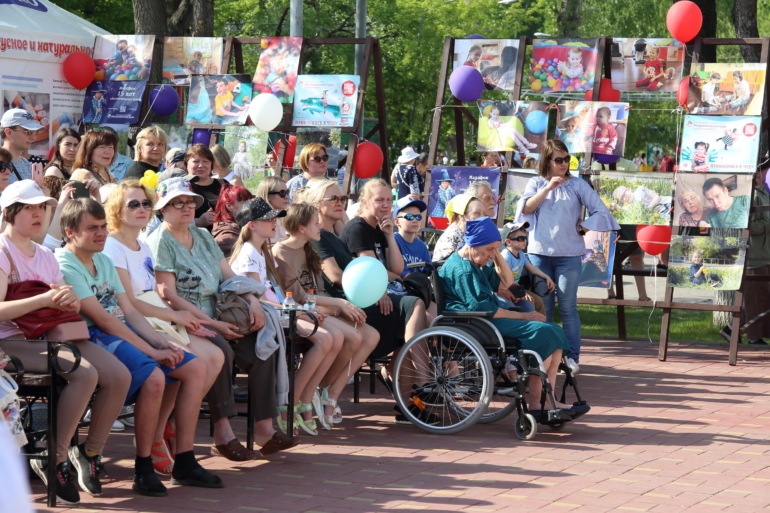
<point>647,65</point>
<point>196,65</point>
<point>569,129</point>
<point>512,126</point>
<point>700,158</point>
<point>656,71</point>
<point>605,137</point>
<point>505,130</point>
<point>648,198</point>
<point>592,127</point>
<point>573,68</point>
<point>123,58</point>
<point>278,65</point>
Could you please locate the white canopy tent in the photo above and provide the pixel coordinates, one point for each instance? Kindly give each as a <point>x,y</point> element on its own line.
<point>36,37</point>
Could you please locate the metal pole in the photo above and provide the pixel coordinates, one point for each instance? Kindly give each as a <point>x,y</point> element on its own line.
<point>295,26</point>
<point>360,32</point>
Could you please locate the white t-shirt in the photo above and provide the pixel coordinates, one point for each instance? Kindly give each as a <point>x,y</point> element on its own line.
<point>139,264</point>
<point>250,260</point>
<point>743,90</point>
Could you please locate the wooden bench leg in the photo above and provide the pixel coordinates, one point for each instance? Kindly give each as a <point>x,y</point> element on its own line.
<point>356,387</point>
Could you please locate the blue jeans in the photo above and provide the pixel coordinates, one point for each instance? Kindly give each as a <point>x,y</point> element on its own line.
<point>522,306</point>
<point>565,273</point>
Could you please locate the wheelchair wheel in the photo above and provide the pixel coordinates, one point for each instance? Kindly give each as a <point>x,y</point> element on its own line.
<point>525,427</point>
<point>442,380</point>
<point>502,401</point>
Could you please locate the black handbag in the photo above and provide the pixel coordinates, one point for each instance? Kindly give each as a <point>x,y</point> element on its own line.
<point>534,283</point>
<point>418,284</point>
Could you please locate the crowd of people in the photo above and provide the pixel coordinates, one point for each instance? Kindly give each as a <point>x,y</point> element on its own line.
<point>182,285</point>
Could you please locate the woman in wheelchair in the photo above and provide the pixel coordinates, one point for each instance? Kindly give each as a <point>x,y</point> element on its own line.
<point>468,283</point>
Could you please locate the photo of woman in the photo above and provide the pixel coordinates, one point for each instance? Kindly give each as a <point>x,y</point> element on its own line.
<point>712,200</point>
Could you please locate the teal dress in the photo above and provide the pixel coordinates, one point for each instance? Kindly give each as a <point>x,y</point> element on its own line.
<point>468,287</point>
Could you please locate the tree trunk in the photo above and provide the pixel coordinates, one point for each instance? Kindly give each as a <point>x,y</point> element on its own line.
<point>203,17</point>
<point>745,23</point>
<point>709,28</point>
<point>568,18</point>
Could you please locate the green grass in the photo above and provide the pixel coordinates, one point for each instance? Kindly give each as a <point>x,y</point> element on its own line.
<point>253,182</point>
<point>599,320</point>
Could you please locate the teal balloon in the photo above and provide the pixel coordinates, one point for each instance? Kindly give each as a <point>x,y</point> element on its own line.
<point>537,121</point>
<point>364,281</point>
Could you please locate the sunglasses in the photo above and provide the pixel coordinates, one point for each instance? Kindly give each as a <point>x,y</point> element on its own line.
<point>411,217</point>
<point>560,160</point>
<point>134,205</point>
<point>337,199</point>
<point>520,238</point>
<point>5,167</point>
<point>179,205</point>
<point>284,193</point>
<point>318,159</point>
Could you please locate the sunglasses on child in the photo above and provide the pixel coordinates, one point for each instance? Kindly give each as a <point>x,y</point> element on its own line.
<point>520,238</point>
<point>411,217</point>
<point>134,205</point>
<point>282,193</point>
<point>560,160</point>
<point>318,159</point>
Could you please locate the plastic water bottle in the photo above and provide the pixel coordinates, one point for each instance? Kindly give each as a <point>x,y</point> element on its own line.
<point>288,304</point>
<point>310,300</point>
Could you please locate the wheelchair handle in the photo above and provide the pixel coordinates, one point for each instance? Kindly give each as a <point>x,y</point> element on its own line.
<point>420,265</point>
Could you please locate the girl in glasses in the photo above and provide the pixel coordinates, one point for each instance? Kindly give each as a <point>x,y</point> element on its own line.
<point>552,205</point>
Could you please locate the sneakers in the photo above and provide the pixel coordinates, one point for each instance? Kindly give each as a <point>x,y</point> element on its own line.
<point>88,469</point>
<point>758,342</point>
<point>424,416</point>
<point>573,365</point>
<point>66,491</point>
<point>117,426</point>
<point>128,421</point>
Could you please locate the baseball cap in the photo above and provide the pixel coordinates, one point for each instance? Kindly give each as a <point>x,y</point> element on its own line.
<point>171,172</point>
<point>173,188</point>
<point>257,209</point>
<point>19,117</point>
<point>24,191</point>
<point>508,228</point>
<point>405,202</point>
<point>178,157</point>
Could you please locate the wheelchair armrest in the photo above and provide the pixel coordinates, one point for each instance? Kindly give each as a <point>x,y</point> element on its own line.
<point>19,367</point>
<point>455,313</point>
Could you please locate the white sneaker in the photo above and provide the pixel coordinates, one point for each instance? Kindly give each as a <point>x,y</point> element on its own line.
<point>128,421</point>
<point>573,365</point>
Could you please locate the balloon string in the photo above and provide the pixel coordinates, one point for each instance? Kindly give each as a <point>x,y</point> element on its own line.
<point>153,103</point>
<point>655,294</point>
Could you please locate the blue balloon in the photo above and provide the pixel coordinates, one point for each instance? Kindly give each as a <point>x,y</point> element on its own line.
<point>537,121</point>
<point>116,56</point>
<point>270,77</point>
<point>466,83</point>
<point>475,36</point>
<point>364,281</point>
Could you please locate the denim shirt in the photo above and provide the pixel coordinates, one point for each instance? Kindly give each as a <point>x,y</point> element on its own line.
<point>553,226</point>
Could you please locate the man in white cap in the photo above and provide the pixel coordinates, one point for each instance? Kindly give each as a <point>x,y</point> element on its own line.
<point>18,129</point>
<point>406,178</point>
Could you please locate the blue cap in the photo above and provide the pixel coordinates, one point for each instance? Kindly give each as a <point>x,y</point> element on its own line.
<point>405,202</point>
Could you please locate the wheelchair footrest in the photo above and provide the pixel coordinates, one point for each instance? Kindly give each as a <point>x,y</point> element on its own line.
<point>580,408</point>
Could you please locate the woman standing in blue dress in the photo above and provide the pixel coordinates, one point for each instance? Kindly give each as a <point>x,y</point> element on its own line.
<point>445,193</point>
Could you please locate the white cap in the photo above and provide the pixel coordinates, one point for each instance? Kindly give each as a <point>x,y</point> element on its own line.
<point>24,191</point>
<point>173,188</point>
<point>20,117</point>
<point>407,154</point>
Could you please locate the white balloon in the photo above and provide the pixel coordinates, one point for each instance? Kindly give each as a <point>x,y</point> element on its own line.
<point>266,111</point>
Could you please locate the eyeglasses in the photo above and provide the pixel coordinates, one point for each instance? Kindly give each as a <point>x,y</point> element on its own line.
<point>179,205</point>
<point>560,160</point>
<point>25,132</point>
<point>282,193</point>
<point>411,217</point>
<point>337,199</point>
<point>134,205</point>
<point>318,159</point>
<point>5,167</point>
<point>520,238</point>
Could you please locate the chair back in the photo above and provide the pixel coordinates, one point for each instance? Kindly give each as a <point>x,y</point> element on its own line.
<point>438,293</point>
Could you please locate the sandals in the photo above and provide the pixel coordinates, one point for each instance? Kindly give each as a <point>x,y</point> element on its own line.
<point>168,434</point>
<point>318,406</point>
<point>282,423</point>
<point>234,451</point>
<point>160,450</point>
<point>336,417</point>
<point>308,426</point>
<point>149,485</point>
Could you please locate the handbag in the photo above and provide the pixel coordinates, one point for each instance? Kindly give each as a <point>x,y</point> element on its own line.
<point>230,307</point>
<point>418,284</point>
<point>178,333</point>
<point>36,324</point>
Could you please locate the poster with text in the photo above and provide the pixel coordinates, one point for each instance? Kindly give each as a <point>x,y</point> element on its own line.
<point>512,126</point>
<point>563,64</point>
<point>713,200</point>
<point>329,137</point>
<point>278,66</point>
<point>726,89</point>
<point>710,262</point>
<point>113,102</point>
<point>448,182</point>
<point>325,100</point>
<point>219,99</point>
<point>598,259</point>
<point>247,146</point>
<point>123,58</point>
<point>720,144</point>
<point>187,56</point>
<point>593,127</point>
<point>494,58</point>
<point>647,65</point>
<point>636,198</point>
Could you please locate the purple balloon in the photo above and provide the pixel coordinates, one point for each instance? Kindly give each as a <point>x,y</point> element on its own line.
<point>475,36</point>
<point>201,136</point>
<point>164,100</point>
<point>767,182</point>
<point>602,158</point>
<point>466,83</point>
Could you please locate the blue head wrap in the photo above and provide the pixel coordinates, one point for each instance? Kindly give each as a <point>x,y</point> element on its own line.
<point>481,232</point>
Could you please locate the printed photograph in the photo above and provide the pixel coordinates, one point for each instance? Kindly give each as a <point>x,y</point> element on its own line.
<point>494,58</point>
<point>247,146</point>
<point>723,144</point>
<point>726,89</point>
<point>219,99</point>
<point>179,136</point>
<point>515,185</point>
<point>117,103</point>
<point>598,260</point>
<point>653,65</point>
<point>563,64</point>
<point>713,200</point>
<point>593,127</point>
<point>187,56</point>
<point>448,182</point>
<point>122,58</point>
<point>38,105</point>
<point>278,65</point>
<point>706,262</point>
<point>325,100</point>
<point>512,126</point>
<point>636,198</point>
<point>526,162</point>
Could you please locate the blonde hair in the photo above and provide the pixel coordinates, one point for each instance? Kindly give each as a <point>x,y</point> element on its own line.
<point>114,205</point>
<point>221,156</point>
<point>170,153</point>
<point>317,192</point>
<point>308,152</point>
<point>243,238</point>
<point>299,195</point>
<point>266,186</point>
<point>367,193</point>
<point>151,132</point>
<point>576,50</point>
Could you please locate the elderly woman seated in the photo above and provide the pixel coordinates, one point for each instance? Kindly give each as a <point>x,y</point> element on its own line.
<point>469,284</point>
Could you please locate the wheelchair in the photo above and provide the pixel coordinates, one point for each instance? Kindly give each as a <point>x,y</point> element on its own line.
<point>456,373</point>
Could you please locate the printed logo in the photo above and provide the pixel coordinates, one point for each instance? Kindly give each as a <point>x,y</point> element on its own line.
<point>31,4</point>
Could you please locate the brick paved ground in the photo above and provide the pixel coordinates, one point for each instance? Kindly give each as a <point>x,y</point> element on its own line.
<point>690,434</point>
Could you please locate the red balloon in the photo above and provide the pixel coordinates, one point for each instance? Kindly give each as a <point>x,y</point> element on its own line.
<point>291,151</point>
<point>684,20</point>
<point>606,92</point>
<point>368,160</point>
<point>79,70</point>
<point>684,89</point>
<point>653,239</point>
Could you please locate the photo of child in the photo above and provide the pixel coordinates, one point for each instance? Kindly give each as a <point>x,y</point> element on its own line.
<point>708,263</point>
<point>218,99</point>
<point>448,182</point>
<point>278,66</point>
<point>444,194</point>
<point>247,145</point>
<point>636,198</point>
<point>652,64</point>
<point>512,126</point>
<point>563,64</point>
<point>187,56</point>
<point>719,144</point>
<point>98,105</point>
<point>123,57</point>
<point>598,260</point>
<point>495,58</point>
<point>600,126</point>
<point>569,133</point>
<point>726,89</point>
<point>116,102</point>
<point>573,68</point>
<point>713,200</point>
<point>605,136</point>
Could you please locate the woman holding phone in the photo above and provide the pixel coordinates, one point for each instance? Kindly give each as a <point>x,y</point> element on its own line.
<point>66,149</point>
